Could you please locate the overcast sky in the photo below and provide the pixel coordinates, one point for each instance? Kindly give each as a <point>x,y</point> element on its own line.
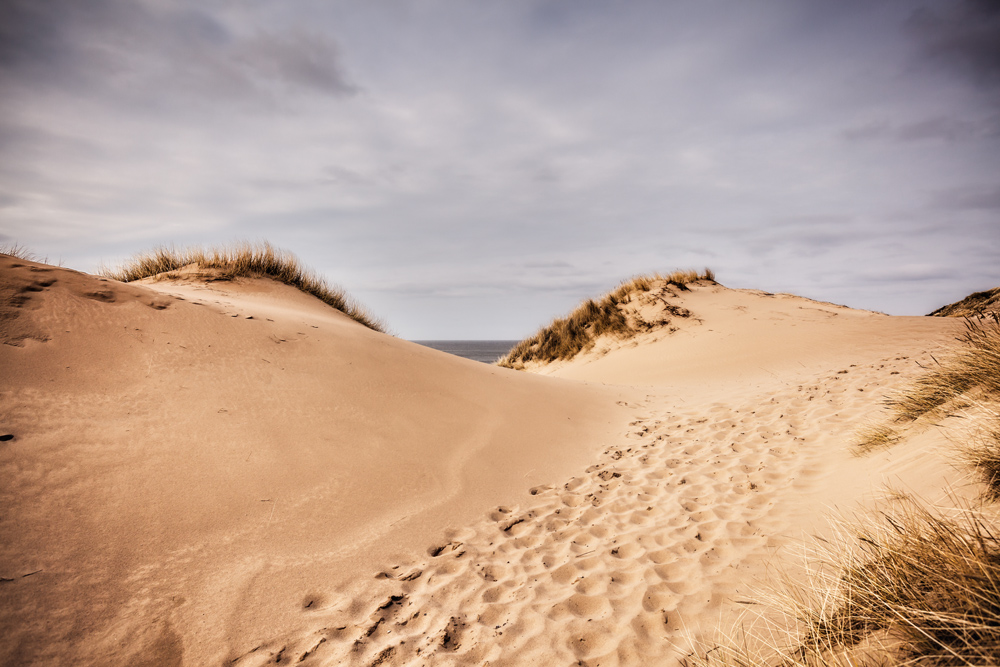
<point>473,169</point>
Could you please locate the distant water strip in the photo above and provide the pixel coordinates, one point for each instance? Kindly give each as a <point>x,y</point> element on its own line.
<point>486,351</point>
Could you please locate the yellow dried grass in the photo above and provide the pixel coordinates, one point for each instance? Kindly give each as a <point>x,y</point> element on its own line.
<point>244,260</point>
<point>566,337</point>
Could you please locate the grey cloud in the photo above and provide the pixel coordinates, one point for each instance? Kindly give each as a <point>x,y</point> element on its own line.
<point>543,264</point>
<point>172,54</point>
<point>814,219</point>
<point>867,131</point>
<point>965,34</point>
<point>938,128</point>
<point>803,235</point>
<point>948,129</point>
<point>582,284</point>
<point>8,200</point>
<point>913,273</point>
<point>36,35</point>
<point>23,140</point>
<point>296,58</point>
<point>969,199</point>
<point>345,176</point>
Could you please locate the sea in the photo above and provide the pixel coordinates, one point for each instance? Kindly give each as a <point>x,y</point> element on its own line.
<point>486,351</point>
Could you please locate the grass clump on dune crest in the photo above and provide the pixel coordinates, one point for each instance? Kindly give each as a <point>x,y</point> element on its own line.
<point>977,303</point>
<point>974,364</point>
<point>19,251</point>
<point>254,260</point>
<point>565,337</point>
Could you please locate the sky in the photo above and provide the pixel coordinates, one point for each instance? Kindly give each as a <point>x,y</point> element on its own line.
<point>472,169</point>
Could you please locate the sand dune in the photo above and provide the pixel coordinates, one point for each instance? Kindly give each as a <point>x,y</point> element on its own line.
<point>192,461</point>
<point>233,473</point>
<point>748,337</point>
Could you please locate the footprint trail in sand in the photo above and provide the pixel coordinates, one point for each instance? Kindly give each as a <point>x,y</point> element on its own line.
<point>633,562</point>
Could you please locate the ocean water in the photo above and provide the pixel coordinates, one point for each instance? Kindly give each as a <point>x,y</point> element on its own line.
<point>486,351</point>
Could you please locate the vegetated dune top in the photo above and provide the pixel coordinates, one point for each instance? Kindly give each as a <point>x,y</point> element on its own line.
<point>634,306</point>
<point>739,336</point>
<point>207,451</point>
<point>241,260</point>
<point>977,303</point>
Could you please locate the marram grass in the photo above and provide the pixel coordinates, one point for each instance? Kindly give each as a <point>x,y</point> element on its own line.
<point>875,436</point>
<point>968,373</point>
<point>929,580</point>
<point>566,337</point>
<point>19,251</point>
<point>913,586</point>
<point>973,364</point>
<point>244,260</point>
<point>982,454</point>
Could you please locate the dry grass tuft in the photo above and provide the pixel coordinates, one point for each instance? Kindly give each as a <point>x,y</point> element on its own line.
<point>968,375</point>
<point>975,363</point>
<point>930,581</point>
<point>875,436</point>
<point>565,337</point>
<point>19,251</point>
<point>915,587</point>
<point>244,260</point>
<point>983,456</point>
<point>977,303</point>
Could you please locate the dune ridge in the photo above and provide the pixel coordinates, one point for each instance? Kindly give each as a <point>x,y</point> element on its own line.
<point>636,305</point>
<point>241,260</point>
<point>977,303</point>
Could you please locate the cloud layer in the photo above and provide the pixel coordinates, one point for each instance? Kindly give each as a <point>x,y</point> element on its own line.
<point>471,170</point>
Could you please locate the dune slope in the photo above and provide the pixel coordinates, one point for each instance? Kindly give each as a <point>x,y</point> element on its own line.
<point>738,453</point>
<point>196,464</point>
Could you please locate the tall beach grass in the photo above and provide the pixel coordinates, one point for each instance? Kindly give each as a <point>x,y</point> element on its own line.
<point>966,374</point>
<point>909,586</point>
<point>973,364</point>
<point>244,260</point>
<point>566,337</point>
<point>926,581</point>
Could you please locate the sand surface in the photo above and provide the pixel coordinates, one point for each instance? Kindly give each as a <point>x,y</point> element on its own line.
<point>209,473</point>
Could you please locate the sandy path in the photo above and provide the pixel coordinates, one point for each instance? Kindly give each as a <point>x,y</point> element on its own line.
<point>639,559</point>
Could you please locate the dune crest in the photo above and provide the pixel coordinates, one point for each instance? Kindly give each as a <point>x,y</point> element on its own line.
<point>241,260</point>
<point>977,303</point>
<point>638,305</point>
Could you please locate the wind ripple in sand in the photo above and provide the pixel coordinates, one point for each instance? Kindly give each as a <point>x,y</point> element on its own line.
<point>634,562</point>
